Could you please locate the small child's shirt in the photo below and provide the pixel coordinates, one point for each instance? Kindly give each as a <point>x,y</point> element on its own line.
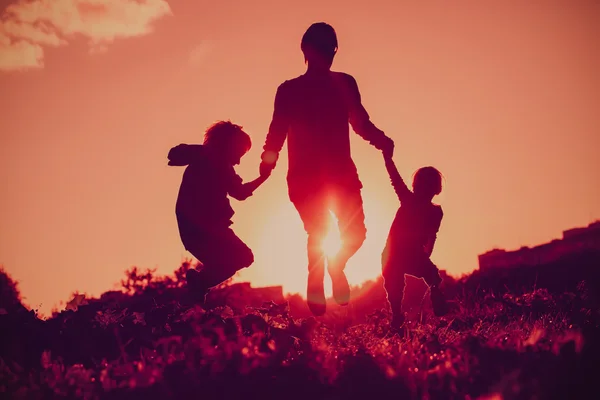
<point>416,222</point>
<point>203,201</point>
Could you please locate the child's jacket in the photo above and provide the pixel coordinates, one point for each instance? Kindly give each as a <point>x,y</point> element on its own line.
<point>202,202</point>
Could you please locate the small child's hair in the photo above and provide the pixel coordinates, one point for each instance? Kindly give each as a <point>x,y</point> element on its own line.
<point>226,133</point>
<point>428,179</point>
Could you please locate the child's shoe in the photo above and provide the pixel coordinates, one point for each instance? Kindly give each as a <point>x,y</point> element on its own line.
<point>197,290</point>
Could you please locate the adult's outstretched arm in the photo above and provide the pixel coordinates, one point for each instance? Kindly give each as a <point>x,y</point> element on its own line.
<point>278,130</point>
<point>361,121</point>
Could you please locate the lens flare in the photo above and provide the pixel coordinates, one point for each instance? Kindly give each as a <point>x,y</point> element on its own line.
<point>332,243</point>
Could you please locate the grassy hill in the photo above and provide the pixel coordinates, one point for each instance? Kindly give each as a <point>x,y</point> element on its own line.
<point>514,334</point>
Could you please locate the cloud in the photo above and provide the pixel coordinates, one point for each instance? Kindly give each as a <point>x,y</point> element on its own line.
<point>19,55</point>
<point>26,26</point>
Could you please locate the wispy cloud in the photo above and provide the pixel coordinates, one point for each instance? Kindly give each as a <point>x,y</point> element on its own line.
<point>200,53</point>
<point>27,26</point>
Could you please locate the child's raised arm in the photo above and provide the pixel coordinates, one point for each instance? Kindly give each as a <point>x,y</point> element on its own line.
<point>402,191</point>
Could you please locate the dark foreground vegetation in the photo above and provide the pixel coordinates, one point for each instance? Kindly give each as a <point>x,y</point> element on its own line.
<point>529,333</point>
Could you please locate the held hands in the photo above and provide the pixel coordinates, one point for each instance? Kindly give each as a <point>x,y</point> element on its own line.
<point>265,169</point>
<point>387,147</point>
<point>268,162</point>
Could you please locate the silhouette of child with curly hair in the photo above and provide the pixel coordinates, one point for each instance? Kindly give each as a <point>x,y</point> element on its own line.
<point>203,209</point>
<point>411,239</point>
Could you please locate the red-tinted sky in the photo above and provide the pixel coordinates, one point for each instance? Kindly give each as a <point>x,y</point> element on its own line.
<point>502,97</point>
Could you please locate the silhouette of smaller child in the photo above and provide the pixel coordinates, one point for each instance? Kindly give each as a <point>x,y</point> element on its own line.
<point>203,209</point>
<point>411,239</point>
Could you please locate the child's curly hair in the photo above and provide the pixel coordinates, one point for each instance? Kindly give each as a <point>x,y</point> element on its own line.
<point>226,133</point>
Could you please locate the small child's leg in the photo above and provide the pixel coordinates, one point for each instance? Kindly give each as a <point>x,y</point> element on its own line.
<point>394,283</point>
<point>431,276</point>
<point>438,301</point>
<point>394,287</point>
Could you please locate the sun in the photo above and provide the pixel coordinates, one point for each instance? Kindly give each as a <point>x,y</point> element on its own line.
<point>332,243</point>
<point>280,250</point>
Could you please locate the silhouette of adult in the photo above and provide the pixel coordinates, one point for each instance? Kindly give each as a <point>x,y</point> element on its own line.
<point>313,111</point>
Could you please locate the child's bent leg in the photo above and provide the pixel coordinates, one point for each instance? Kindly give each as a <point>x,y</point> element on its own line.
<point>223,254</point>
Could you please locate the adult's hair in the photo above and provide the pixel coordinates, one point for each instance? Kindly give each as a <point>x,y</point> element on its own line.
<point>322,38</point>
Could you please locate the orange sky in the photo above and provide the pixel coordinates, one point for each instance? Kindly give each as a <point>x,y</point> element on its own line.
<point>503,98</point>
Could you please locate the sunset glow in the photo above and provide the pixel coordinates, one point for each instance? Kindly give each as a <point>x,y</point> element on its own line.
<point>332,242</point>
<point>501,97</point>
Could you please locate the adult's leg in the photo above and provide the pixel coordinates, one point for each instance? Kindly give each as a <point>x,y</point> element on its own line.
<point>313,211</point>
<point>347,206</point>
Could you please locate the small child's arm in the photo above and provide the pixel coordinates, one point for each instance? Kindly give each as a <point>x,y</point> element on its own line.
<point>402,191</point>
<point>241,191</point>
